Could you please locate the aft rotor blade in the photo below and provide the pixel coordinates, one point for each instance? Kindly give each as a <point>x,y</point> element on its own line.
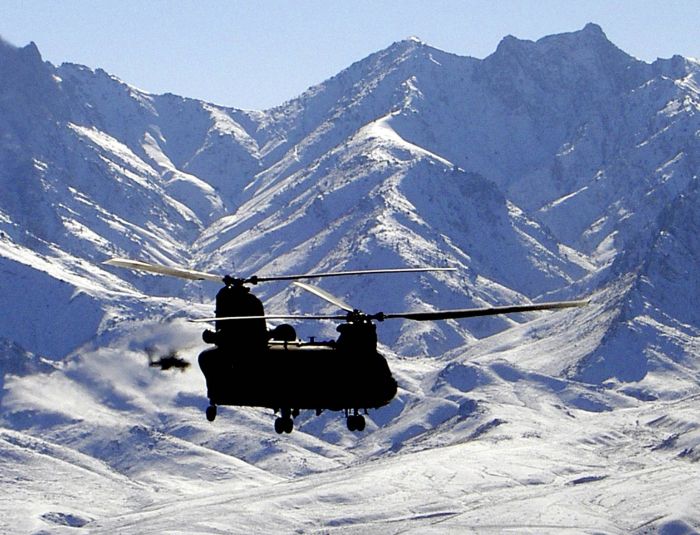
<point>347,273</point>
<point>270,317</point>
<point>323,294</point>
<point>163,270</point>
<point>475,312</point>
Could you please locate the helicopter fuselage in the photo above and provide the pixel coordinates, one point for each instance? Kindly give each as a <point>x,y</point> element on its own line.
<point>293,376</point>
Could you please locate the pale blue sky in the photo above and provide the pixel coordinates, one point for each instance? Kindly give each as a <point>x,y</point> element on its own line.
<point>255,55</point>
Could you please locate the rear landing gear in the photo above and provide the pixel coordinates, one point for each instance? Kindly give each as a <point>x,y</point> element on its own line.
<point>356,422</point>
<point>285,423</point>
<point>211,413</point>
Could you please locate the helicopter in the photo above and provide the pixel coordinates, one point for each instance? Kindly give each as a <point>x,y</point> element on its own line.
<point>252,366</point>
<point>170,360</point>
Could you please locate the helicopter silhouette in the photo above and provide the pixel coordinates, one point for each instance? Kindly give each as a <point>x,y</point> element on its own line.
<point>252,366</point>
<point>170,360</point>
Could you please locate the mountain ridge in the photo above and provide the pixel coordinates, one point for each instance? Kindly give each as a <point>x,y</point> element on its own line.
<point>152,145</point>
<point>555,169</point>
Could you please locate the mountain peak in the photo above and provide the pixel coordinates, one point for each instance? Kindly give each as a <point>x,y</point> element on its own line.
<point>583,51</point>
<point>591,36</point>
<point>31,50</point>
<point>510,41</point>
<point>26,54</point>
<point>409,44</point>
<point>593,29</point>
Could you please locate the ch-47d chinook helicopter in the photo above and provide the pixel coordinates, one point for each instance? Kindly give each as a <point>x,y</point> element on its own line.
<point>252,366</point>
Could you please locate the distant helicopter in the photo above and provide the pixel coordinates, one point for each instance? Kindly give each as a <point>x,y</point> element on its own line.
<point>165,362</point>
<point>252,366</point>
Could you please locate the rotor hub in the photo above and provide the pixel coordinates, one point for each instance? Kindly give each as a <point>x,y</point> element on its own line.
<point>233,281</point>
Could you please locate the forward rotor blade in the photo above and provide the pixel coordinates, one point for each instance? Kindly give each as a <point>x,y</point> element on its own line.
<point>346,273</point>
<point>191,274</point>
<point>163,270</point>
<point>475,312</point>
<point>270,317</point>
<point>326,296</point>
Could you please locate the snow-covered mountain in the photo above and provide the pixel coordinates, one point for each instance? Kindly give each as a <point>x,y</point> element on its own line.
<point>559,168</point>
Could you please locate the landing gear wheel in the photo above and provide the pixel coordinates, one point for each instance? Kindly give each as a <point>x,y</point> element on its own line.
<point>356,422</point>
<point>211,413</point>
<point>284,425</point>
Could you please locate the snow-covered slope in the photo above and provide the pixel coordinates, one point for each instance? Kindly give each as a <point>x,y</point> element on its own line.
<point>552,169</point>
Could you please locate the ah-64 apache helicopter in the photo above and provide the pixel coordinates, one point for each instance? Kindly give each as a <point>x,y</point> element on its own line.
<point>252,366</point>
